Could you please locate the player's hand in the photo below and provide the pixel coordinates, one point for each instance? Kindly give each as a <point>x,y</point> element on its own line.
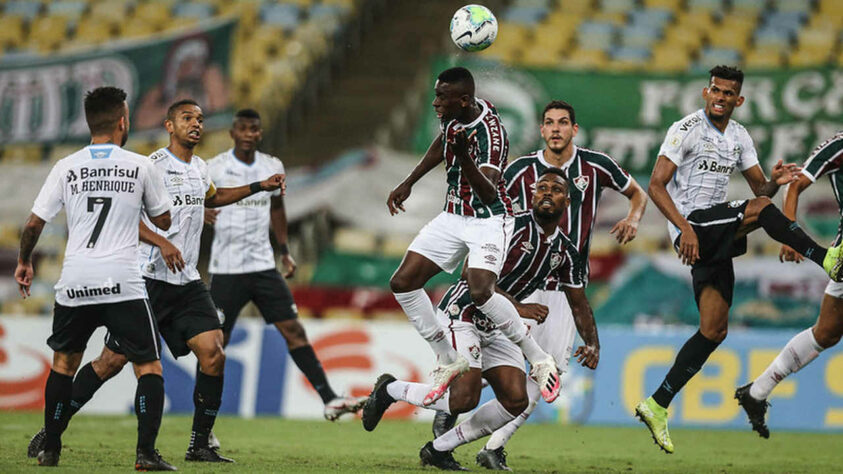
<point>588,356</point>
<point>625,230</point>
<point>211,216</point>
<point>23,277</point>
<point>172,256</point>
<point>289,266</point>
<point>535,311</point>
<point>460,142</point>
<point>689,246</point>
<point>276,181</point>
<point>787,254</point>
<point>785,173</point>
<point>396,198</point>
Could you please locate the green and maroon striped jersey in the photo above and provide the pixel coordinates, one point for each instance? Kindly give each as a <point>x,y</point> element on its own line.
<point>488,147</point>
<point>531,258</point>
<point>588,173</point>
<point>826,159</point>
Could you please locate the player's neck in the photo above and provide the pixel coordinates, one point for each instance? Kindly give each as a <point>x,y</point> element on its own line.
<point>181,152</point>
<point>247,157</point>
<point>559,159</point>
<point>719,123</point>
<point>470,113</point>
<point>547,225</point>
<point>103,140</point>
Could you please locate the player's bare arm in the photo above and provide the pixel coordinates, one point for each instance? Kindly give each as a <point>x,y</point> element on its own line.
<point>226,196</point>
<point>163,221</point>
<point>482,181</point>
<point>535,311</point>
<point>28,238</point>
<point>789,207</point>
<point>278,218</point>
<point>782,174</point>
<point>432,157</point>
<point>627,228</point>
<point>589,354</point>
<point>169,252</point>
<point>689,245</point>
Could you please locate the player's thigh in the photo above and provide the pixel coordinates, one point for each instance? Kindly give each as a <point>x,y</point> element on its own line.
<point>487,241</point>
<point>440,241</point>
<point>230,293</point>
<point>829,326</point>
<point>73,327</point>
<point>133,329</point>
<point>195,315</point>
<point>557,333</point>
<point>272,296</point>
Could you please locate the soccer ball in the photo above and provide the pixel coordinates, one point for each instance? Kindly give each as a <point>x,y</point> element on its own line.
<point>474,28</point>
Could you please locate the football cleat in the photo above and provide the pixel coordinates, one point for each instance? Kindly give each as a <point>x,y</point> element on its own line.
<point>833,263</point>
<point>443,375</point>
<point>377,403</point>
<point>342,405</point>
<point>48,458</point>
<point>546,375</point>
<point>755,410</point>
<point>655,417</point>
<point>443,422</point>
<point>36,444</point>
<point>494,459</point>
<point>152,461</point>
<point>205,455</point>
<point>444,460</point>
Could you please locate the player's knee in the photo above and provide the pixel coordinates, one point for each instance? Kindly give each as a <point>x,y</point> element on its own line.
<point>109,364</point>
<point>463,402</point>
<point>716,333</point>
<point>212,361</point>
<point>400,283</point>
<point>826,338</point>
<point>516,404</point>
<point>480,294</point>
<point>293,333</point>
<point>761,202</point>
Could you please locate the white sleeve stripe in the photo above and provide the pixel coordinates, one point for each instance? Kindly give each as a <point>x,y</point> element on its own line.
<point>617,185</point>
<point>809,175</point>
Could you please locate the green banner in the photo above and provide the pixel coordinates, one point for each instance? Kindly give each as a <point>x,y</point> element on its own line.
<point>41,101</point>
<point>787,112</point>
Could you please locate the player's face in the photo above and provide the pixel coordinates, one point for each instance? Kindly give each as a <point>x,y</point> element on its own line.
<point>558,130</point>
<point>448,101</point>
<point>721,97</point>
<point>247,134</point>
<point>551,196</point>
<point>187,125</point>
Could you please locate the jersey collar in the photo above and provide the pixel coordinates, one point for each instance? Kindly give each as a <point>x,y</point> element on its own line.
<point>708,121</point>
<point>565,165</point>
<point>479,118</point>
<point>541,231</point>
<point>247,165</point>
<point>177,158</point>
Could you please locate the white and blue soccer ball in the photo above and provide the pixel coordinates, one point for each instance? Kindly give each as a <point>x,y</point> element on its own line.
<point>474,28</point>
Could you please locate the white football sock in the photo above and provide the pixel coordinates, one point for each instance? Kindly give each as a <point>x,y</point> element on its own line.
<point>501,436</point>
<point>414,393</point>
<point>489,417</point>
<point>502,312</point>
<point>419,309</point>
<point>798,353</point>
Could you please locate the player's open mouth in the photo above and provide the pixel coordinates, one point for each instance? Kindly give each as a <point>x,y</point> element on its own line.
<point>718,107</point>
<point>194,134</point>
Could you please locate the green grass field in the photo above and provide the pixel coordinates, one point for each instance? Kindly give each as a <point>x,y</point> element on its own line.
<point>106,444</point>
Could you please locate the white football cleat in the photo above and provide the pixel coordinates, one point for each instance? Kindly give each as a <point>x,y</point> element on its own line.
<point>443,375</point>
<point>342,405</point>
<point>546,375</point>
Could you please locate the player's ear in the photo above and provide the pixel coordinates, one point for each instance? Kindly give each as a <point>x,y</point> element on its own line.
<point>465,100</point>
<point>168,124</point>
<point>704,92</point>
<point>576,128</point>
<point>740,101</point>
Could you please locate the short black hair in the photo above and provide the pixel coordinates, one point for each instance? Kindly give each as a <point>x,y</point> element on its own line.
<point>560,104</point>
<point>557,172</point>
<point>171,110</point>
<point>458,75</point>
<point>247,114</point>
<point>728,73</point>
<point>103,109</point>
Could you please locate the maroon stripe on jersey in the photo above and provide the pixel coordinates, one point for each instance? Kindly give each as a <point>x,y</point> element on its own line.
<point>515,252</point>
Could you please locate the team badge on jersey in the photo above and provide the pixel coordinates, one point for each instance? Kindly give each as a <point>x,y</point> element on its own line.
<point>454,309</point>
<point>581,182</point>
<point>474,351</point>
<point>555,260</point>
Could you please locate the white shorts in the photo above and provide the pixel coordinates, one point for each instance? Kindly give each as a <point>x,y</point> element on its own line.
<point>448,238</point>
<point>483,350</point>
<point>556,334</point>
<point>834,289</point>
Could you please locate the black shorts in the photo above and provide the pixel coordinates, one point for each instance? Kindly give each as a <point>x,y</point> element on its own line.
<point>130,325</point>
<point>716,228</point>
<point>267,289</point>
<point>182,311</point>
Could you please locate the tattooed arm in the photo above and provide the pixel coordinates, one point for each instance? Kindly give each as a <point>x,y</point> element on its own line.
<point>29,237</point>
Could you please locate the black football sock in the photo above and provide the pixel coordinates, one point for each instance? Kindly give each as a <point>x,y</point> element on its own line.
<point>689,361</point>
<point>56,404</point>
<point>207,398</point>
<point>305,359</point>
<point>784,230</point>
<point>85,385</point>
<point>149,405</point>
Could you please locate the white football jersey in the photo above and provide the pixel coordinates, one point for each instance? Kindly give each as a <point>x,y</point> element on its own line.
<point>188,184</point>
<point>241,233</point>
<point>104,189</point>
<point>705,158</point>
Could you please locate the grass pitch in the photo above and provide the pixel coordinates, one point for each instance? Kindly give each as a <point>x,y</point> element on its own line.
<point>106,444</point>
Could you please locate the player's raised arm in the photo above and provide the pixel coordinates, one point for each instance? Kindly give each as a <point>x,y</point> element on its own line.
<point>689,246</point>
<point>589,354</point>
<point>218,197</point>
<point>782,174</point>
<point>432,157</point>
<point>627,228</point>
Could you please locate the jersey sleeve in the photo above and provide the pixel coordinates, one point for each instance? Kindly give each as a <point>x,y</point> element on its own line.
<point>278,166</point>
<point>210,188</point>
<point>571,272</point>
<point>749,156</point>
<point>50,199</point>
<point>675,142</point>
<point>825,159</point>
<point>156,199</point>
<point>519,180</point>
<point>610,173</point>
<point>490,145</point>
